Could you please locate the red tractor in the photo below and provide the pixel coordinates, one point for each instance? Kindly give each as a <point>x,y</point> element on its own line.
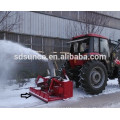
<point>92,74</point>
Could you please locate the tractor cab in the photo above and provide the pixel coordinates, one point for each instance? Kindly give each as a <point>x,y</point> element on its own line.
<point>90,43</point>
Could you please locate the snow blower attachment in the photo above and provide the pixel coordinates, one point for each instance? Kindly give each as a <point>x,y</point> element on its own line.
<point>54,88</point>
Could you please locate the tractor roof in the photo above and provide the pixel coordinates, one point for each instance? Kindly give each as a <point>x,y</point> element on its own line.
<point>89,35</point>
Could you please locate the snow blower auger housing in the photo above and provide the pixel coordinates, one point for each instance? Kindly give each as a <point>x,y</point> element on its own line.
<point>52,89</point>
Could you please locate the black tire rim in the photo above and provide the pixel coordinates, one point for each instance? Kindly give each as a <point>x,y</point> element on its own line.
<point>97,77</point>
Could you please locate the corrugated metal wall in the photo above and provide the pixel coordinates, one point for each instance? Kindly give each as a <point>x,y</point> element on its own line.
<point>45,25</point>
<point>39,24</point>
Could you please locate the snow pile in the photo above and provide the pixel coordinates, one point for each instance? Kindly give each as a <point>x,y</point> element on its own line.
<point>112,87</point>
<point>11,97</point>
<point>8,50</point>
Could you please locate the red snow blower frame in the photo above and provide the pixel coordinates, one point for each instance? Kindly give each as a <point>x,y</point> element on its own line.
<point>54,88</point>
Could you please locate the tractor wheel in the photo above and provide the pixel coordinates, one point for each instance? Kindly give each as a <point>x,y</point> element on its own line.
<point>93,77</point>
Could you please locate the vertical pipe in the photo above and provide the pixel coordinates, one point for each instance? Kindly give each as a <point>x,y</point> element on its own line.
<point>18,38</point>
<point>62,45</point>
<point>42,44</point>
<point>31,42</point>
<point>4,36</point>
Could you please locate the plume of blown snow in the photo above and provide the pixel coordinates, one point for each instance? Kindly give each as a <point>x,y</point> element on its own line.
<point>8,50</point>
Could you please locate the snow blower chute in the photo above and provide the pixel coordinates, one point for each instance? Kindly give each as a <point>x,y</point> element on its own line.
<point>54,88</point>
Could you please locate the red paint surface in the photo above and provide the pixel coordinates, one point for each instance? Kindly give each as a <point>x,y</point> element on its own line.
<point>89,35</point>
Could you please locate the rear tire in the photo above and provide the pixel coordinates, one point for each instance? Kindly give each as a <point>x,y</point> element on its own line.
<point>93,77</point>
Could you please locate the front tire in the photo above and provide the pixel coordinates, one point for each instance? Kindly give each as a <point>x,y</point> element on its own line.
<point>93,77</point>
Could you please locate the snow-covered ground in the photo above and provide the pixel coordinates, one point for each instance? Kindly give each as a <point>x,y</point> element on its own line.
<point>10,95</point>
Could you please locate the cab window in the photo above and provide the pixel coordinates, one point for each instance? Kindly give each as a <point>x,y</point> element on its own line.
<point>96,44</point>
<point>104,47</point>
